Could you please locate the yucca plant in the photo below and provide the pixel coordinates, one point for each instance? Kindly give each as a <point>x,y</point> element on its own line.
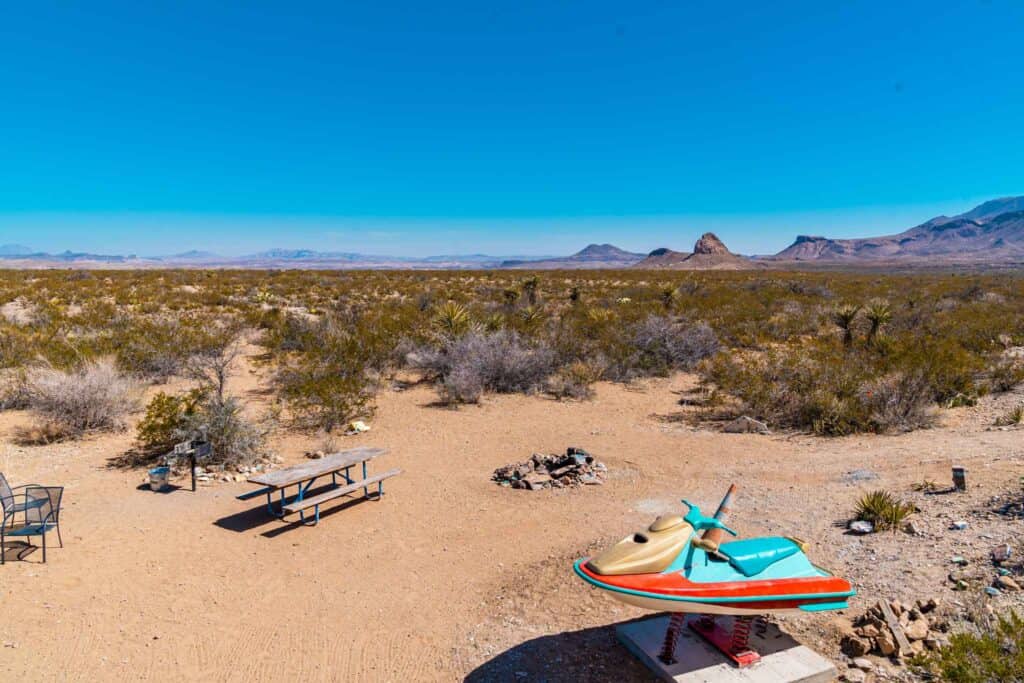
<point>451,320</point>
<point>533,317</point>
<point>844,317</point>
<point>1014,417</point>
<point>878,313</point>
<point>883,509</point>
<point>668,296</point>
<point>530,286</point>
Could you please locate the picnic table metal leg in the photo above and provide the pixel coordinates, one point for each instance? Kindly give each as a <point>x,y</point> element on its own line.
<point>366,491</point>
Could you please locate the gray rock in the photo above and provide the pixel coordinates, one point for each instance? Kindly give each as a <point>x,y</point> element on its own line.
<point>863,664</point>
<point>855,476</point>
<point>859,526</point>
<point>746,425</point>
<point>855,676</point>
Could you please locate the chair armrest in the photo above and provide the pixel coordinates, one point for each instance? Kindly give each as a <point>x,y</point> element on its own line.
<point>25,486</point>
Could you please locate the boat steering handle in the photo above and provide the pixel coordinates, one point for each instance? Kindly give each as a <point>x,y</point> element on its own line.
<point>700,522</point>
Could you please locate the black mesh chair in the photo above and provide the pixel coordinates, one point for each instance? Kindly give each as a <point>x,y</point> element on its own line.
<point>41,508</point>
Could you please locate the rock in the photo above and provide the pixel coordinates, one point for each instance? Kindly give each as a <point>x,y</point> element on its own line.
<point>859,526</point>
<point>537,481</point>
<point>863,664</point>
<point>992,592</point>
<point>1007,584</point>
<point>746,425</point>
<point>931,643</point>
<point>867,631</point>
<point>855,676</point>
<point>239,477</point>
<point>958,525</point>
<point>315,455</point>
<point>916,630</point>
<point>855,476</point>
<point>358,427</point>
<point>1001,553</point>
<point>852,646</point>
<point>912,529</point>
<point>959,560</point>
<point>926,606</point>
<point>591,479</point>
<point>897,607</point>
<point>886,644</point>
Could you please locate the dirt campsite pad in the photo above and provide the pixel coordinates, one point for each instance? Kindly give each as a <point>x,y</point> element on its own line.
<point>451,577</point>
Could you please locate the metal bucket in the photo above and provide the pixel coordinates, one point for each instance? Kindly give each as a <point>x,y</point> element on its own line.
<point>158,477</point>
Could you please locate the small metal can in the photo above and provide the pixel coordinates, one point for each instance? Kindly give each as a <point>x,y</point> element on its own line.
<point>960,478</point>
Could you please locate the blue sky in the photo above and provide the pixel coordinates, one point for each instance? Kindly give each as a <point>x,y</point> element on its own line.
<point>529,127</point>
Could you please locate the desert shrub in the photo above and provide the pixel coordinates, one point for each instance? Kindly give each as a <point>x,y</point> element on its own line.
<point>1004,375</point>
<point>1014,416</point>
<point>42,433</point>
<point>995,653</point>
<point>165,417</point>
<point>576,380</point>
<point>94,397</point>
<point>333,380</point>
<point>883,509</point>
<point>477,362</point>
<point>14,392</point>
<point>160,348</point>
<point>234,440</point>
<point>898,402</point>
<point>664,344</point>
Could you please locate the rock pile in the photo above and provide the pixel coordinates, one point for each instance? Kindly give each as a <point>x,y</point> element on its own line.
<point>575,468</point>
<point>896,630</point>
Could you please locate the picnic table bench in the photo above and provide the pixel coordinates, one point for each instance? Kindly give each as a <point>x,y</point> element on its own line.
<point>302,476</point>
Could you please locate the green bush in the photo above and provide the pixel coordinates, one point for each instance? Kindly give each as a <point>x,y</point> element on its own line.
<point>994,654</point>
<point>165,417</point>
<point>883,509</point>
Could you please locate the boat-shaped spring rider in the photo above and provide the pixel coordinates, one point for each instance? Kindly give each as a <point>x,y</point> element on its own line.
<point>670,567</point>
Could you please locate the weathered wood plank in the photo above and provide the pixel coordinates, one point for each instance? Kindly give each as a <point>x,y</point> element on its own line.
<point>305,503</point>
<point>902,644</point>
<point>316,468</point>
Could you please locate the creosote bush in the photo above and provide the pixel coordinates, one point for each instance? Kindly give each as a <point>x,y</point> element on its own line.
<point>165,418</point>
<point>994,653</point>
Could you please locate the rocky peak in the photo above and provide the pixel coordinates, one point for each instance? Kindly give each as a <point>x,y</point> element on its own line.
<point>709,244</point>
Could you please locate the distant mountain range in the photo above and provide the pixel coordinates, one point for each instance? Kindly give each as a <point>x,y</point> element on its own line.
<point>709,253</point>
<point>591,256</point>
<point>991,233</point>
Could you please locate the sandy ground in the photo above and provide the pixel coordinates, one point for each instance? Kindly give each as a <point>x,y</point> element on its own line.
<point>452,577</point>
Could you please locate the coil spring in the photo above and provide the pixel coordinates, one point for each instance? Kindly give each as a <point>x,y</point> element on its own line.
<point>741,634</point>
<point>668,648</point>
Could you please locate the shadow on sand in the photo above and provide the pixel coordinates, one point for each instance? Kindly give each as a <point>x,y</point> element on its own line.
<point>18,551</point>
<point>591,654</point>
<point>257,516</point>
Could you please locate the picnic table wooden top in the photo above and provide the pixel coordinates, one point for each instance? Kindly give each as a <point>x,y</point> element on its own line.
<point>316,468</point>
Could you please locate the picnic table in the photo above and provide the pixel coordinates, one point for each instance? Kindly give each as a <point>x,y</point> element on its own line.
<point>337,465</point>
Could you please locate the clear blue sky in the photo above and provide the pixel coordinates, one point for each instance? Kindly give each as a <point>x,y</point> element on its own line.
<point>527,127</point>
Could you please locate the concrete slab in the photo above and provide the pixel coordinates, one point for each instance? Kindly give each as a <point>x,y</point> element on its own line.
<point>783,660</point>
